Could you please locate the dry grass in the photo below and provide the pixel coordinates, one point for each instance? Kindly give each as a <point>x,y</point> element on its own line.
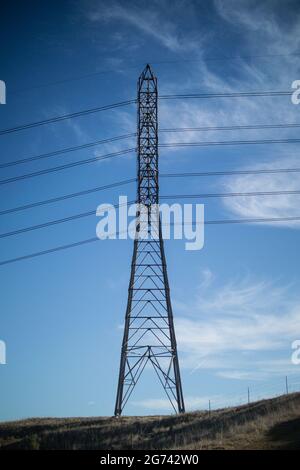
<point>278,429</point>
<point>267,424</point>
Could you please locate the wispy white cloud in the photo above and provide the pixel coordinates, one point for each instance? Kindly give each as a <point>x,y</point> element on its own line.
<point>79,131</point>
<point>263,19</point>
<point>237,326</point>
<point>266,206</point>
<point>263,370</point>
<point>149,20</point>
<point>244,74</point>
<point>240,331</point>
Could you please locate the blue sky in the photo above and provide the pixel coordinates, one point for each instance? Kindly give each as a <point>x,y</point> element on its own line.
<point>236,302</point>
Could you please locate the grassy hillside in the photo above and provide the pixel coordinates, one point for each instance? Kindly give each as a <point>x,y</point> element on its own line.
<point>267,424</point>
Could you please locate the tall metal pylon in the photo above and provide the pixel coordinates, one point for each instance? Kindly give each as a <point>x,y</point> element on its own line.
<point>149,335</point>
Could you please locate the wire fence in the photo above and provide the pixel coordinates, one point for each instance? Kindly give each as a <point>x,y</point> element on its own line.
<point>255,392</point>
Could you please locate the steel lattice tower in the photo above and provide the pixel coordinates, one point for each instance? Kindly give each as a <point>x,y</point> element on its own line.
<point>149,335</point>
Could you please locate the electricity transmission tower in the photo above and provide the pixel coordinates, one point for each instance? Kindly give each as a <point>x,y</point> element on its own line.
<point>149,335</point>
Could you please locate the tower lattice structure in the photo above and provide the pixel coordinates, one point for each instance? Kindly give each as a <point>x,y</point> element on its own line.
<point>149,335</point>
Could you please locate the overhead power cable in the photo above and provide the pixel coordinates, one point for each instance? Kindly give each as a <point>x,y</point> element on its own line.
<point>229,142</point>
<point>232,194</point>
<point>231,172</point>
<point>66,116</point>
<point>58,221</point>
<point>161,62</point>
<point>228,58</point>
<point>67,165</point>
<point>244,94</point>
<point>166,145</point>
<point>132,180</point>
<point>230,128</point>
<point>172,196</point>
<point>66,150</point>
<point>132,101</point>
<point>94,239</point>
<point>166,130</point>
<point>66,196</point>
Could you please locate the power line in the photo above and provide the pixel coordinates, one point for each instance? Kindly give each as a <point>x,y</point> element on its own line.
<point>132,180</point>
<point>132,101</point>
<point>66,116</point>
<point>66,80</point>
<point>229,142</point>
<point>66,150</point>
<point>170,130</point>
<point>66,196</point>
<point>240,57</point>
<point>166,145</point>
<point>230,128</point>
<point>67,165</point>
<point>50,250</point>
<point>254,220</point>
<point>243,94</point>
<point>161,62</point>
<point>221,195</point>
<point>57,221</point>
<point>172,196</point>
<point>231,172</point>
<point>94,239</point>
